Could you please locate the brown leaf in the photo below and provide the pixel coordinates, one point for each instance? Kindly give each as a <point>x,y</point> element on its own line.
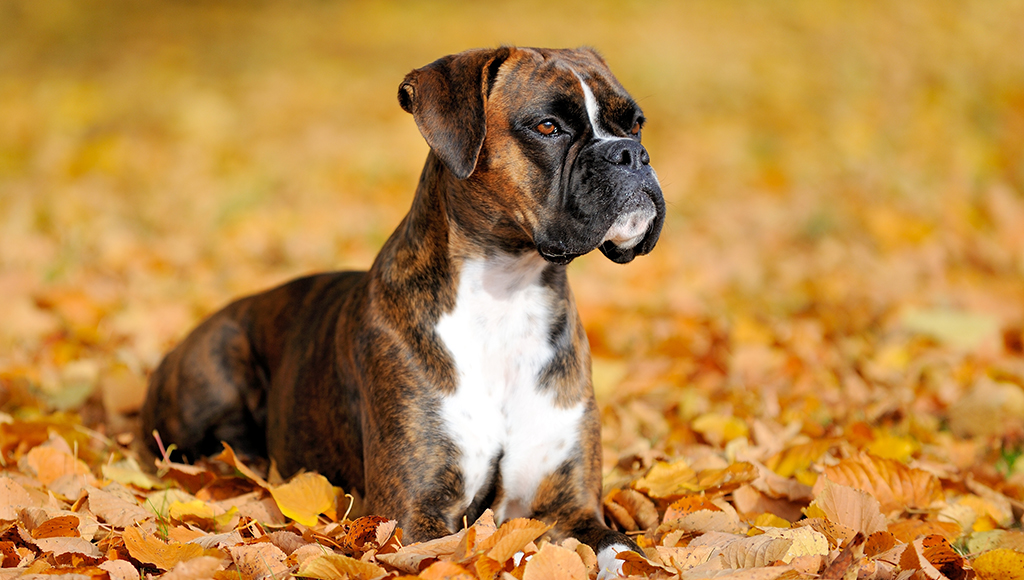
<point>121,570</point>
<point>12,498</point>
<point>259,560</point>
<point>116,511</point>
<point>200,568</point>
<point>850,507</point>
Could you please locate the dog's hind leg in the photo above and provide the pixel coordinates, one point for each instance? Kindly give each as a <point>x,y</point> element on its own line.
<point>210,388</point>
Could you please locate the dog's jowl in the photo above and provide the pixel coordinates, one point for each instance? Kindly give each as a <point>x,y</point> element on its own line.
<point>454,375</point>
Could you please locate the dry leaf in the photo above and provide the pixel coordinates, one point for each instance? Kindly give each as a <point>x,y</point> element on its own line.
<point>555,562</point>
<point>116,511</point>
<point>446,571</point>
<point>146,548</point>
<point>305,497</point>
<point>848,507</point>
<point>228,456</point>
<point>12,498</point>
<point>201,568</point>
<point>893,484</point>
<point>665,480</point>
<point>512,537</point>
<point>259,560</point>
<point>755,552</point>
<point>122,570</point>
<point>805,542</point>
<point>1000,564</point>
<point>338,567</point>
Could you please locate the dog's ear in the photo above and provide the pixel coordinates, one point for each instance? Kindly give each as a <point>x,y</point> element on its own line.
<point>446,98</point>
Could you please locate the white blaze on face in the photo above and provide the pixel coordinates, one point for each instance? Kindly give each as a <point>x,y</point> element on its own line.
<point>631,225</point>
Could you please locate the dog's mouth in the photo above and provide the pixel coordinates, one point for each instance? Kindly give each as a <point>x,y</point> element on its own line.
<point>556,253</point>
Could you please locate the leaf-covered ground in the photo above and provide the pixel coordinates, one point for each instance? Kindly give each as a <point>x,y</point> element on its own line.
<point>818,373</point>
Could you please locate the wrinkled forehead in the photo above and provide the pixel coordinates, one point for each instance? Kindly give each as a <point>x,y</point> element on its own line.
<point>529,75</point>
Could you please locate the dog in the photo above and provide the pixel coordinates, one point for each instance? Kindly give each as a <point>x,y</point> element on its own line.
<point>454,375</point>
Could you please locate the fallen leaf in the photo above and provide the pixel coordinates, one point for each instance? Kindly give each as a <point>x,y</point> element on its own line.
<point>512,537</point>
<point>893,484</point>
<point>665,480</point>
<point>305,497</point>
<point>146,548</point>
<point>999,564</point>
<point>258,561</point>
<point>555,562</point>
<point>849,507</point>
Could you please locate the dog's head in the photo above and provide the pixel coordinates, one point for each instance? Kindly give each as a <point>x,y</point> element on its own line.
<point>548,143</point>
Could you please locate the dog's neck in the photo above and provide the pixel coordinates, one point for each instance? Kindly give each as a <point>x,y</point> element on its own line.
<point>435,237</point>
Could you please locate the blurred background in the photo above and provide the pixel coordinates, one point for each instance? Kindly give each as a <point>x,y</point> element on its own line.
<point>845,189</point>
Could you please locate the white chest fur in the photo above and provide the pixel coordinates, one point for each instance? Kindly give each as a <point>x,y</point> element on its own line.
<point>498,337</point>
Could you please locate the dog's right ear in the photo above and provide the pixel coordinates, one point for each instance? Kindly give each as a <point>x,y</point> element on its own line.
<point>446,98</point>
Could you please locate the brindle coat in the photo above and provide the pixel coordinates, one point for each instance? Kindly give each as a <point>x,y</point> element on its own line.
<point>344,373</point>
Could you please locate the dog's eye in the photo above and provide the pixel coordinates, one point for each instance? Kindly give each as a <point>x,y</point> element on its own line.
<point>635,130</point>
<point>548,128</point>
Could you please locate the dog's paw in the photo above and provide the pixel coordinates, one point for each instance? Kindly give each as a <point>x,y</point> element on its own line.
<point>608,566</point>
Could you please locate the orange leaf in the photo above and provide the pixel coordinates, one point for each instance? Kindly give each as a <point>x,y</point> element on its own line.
<point>49,463</point>
<point>58,527</point>
<point>688,505</point>
<point>228,456</point>
<point>878,543</point>
<point>148,549</point>
<point>446,571</point>
<point>893,484</point>
<point>555,562</point>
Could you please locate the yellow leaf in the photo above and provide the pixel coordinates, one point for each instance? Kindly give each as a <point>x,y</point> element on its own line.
<point>338,567</point>
<point>1000,564</point>
<point>806,542</point>
<point>305,497</point>
<point>719,429</point>
<point>768,520</point>
<point>893,447</point>
<point>195,508</point>
<point>512,537</point>
<point>668,479</point>
<point>798,458</point>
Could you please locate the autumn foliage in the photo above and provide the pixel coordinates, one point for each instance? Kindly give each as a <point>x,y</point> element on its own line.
<point>818,373</point>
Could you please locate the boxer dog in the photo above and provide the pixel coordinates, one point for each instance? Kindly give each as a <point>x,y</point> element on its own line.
<point>454,375</point>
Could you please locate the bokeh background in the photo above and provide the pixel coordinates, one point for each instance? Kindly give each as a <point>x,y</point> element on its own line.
<point>845,189</point>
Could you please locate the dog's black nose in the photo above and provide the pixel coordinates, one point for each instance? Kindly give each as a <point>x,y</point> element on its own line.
<point>625,152</point>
